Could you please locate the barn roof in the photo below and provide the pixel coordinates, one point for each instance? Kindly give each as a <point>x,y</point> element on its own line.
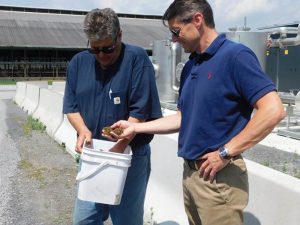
<point>46,28</point>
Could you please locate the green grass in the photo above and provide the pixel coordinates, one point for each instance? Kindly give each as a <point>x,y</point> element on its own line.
<point>77,157</point>
<point>296,173</point>
<point>32,172</point>
<point>24,164</point>
<point>284,167</point>
<point>13,82</point>
<point>32,124</point>
<point>7,82</point>
<point>266,163</point>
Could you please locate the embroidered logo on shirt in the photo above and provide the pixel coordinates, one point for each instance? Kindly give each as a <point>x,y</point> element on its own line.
<point>209,75</point>
<point>117,100</point>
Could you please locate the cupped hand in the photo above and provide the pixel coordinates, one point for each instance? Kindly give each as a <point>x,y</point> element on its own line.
<point>111,136</point>
<point>128,129</point>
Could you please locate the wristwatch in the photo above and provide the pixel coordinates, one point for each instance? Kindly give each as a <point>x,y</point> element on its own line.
<point>224,153</point>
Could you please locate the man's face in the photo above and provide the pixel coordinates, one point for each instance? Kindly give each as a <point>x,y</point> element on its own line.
<point>186,34</point>
<point>106,50</point>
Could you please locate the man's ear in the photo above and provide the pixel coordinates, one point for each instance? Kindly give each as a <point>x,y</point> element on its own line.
<point>120,35</point>
<point>198,19</point>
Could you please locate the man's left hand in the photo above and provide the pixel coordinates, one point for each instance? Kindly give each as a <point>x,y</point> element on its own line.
<point>212,163</point>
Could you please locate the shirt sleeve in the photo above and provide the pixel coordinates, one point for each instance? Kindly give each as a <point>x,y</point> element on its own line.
<point>250,79</point>
<point>70,104</point>
<point>144,101</point>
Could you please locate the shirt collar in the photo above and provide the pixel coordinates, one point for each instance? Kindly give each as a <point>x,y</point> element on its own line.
<point>210,51</point>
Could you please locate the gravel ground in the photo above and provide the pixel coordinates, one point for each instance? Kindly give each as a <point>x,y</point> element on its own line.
<point>37,176</point>
<point>285,162</point>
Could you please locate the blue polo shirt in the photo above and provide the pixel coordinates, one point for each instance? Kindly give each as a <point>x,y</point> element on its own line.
<point>218,90</point>
<point>103,97</point>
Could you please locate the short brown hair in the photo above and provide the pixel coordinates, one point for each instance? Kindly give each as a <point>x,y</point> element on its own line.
<point>185,9</point>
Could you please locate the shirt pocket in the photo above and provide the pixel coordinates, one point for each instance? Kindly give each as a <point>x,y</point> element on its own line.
<point>118,105</point>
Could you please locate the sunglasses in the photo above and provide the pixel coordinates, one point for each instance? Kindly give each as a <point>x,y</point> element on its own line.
<point>105,50</point>
<point>176,32</point>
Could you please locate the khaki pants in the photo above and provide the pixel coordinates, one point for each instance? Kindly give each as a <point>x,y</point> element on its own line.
<point>218,203</point>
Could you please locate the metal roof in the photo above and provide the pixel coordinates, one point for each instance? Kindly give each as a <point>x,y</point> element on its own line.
<point>57,30</point>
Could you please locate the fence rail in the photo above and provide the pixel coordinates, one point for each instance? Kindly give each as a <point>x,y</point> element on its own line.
<point>33,69</point>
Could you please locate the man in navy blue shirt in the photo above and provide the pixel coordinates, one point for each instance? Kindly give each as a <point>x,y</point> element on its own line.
<point>220,85</point>
<point>108,82</point>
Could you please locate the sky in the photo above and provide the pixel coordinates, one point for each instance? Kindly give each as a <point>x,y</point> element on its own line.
<point>227,13</point>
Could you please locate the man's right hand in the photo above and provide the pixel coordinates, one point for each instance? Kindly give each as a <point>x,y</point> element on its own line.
<point>84,135</point>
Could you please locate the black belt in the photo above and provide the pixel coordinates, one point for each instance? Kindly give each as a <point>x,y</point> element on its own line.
<point>196,164</point>
<point>193,164</point>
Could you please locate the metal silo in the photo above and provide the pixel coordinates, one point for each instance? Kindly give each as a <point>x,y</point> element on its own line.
<point>256,41</point>
<point>167,59</point>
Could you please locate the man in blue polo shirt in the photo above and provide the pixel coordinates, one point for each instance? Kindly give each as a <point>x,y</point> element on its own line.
<point>108,82</point>
<point>220,85</point>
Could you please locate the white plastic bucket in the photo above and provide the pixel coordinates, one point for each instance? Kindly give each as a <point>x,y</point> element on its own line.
<point>102,175</point>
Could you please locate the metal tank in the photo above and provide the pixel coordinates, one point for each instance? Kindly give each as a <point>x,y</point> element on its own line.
<point>285,36</point>
<point>256,41</point>
<point>283,64</point>
<point>167,58</point>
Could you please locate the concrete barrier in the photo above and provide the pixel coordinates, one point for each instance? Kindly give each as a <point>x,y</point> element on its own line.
<point>49,110</point>
<point>32,96</point>
<point>58,86</point>
<point>66,135</point>
<point>297,102</point>
<point>164,199</point>
<point>274,197</point>
<point>20,93</point>
<point>40,83</point>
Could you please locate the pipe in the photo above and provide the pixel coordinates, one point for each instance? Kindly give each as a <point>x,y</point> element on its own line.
<point>156,70</point>
<point>174,48</point>
<point>283,41</point>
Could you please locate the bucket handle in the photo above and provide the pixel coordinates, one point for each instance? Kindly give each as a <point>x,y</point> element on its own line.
<point>81,177</point>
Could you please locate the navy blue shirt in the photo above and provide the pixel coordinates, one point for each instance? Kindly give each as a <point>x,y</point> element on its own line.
<point>102,97</point>
<point>218,91</point>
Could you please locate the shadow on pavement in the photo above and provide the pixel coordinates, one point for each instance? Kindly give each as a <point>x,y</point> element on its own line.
<point>250,219</point>
<point>169,223</point>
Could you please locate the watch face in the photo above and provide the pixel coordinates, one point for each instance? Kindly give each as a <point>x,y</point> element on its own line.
<point>223,152</point>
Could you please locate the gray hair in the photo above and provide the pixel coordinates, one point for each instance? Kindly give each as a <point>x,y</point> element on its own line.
<point>100,24</point>
<point>185,9</point>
